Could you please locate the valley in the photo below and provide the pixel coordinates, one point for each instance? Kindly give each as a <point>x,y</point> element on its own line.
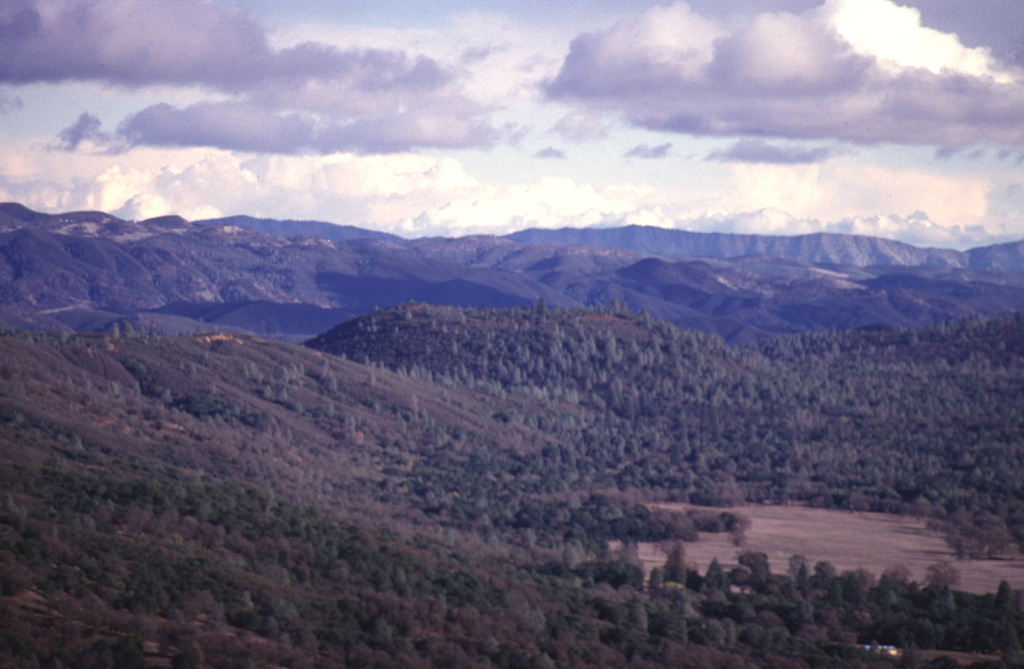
<point>848,540</point>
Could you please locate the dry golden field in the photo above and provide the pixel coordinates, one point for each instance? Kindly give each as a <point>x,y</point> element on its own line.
<point>849,540</point>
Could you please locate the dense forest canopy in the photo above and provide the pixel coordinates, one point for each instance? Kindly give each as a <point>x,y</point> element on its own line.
<point>885,419</point>
<point>440,487</point>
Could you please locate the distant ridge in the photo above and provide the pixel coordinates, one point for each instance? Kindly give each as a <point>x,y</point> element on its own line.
<point>816,248</point>
<point>291,228</point>
<point>84,271</point>
<point>19,212</point>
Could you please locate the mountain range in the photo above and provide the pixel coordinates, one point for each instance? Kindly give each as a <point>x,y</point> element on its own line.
<point>290,280</point>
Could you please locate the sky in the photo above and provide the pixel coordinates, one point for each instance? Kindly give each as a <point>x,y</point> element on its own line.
<point>902,119</point>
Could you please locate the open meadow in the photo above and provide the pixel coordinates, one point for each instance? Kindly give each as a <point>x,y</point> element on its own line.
<point>849,540</point>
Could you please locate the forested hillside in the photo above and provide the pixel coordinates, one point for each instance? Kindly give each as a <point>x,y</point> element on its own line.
<point>445,493</point>
<point>887,419</point>
<point>232,502</point>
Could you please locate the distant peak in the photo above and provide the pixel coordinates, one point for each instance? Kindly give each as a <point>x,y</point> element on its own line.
<point>170,221</point>
<point>18,211</point>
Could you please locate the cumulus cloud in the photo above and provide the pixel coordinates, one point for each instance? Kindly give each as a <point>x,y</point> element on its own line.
<point>848,190</point>
<point>651,152</point>
<point>404,193</point>
<point>917,229</point>
<point>824,73</point>
<point>665,45</point>
<point>894,36</point>
<point>303,97</point>
<point>759,151</point>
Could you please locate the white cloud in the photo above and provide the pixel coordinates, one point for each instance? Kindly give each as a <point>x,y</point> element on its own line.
<point>140,184</point>
<point>548,203</point>
<point>415,195</point>
<point>405,193</point>
<point>893,34</point>
<point>792,188</point>
<point>767,221</point>
<point>847,190</point>
<point>949,201</point>
<point>915,228</point>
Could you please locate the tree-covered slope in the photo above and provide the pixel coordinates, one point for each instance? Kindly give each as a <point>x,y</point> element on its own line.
<point>236,502</point>
<point>211,500</point>
<point>885,419</point>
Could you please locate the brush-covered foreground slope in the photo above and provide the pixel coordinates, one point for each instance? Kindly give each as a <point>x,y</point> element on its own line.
<point>226,502</point>
<point>230,502</point>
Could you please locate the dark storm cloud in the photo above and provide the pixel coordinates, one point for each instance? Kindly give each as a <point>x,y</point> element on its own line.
<point>652,152</point>
<point>306,97</point>
<point>759,151</point>
<point>779,75</point>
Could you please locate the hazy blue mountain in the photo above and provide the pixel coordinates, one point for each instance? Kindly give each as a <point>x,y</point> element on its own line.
<point>84,271</point>
<point>818,248</point>
<point>1001,257</point>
